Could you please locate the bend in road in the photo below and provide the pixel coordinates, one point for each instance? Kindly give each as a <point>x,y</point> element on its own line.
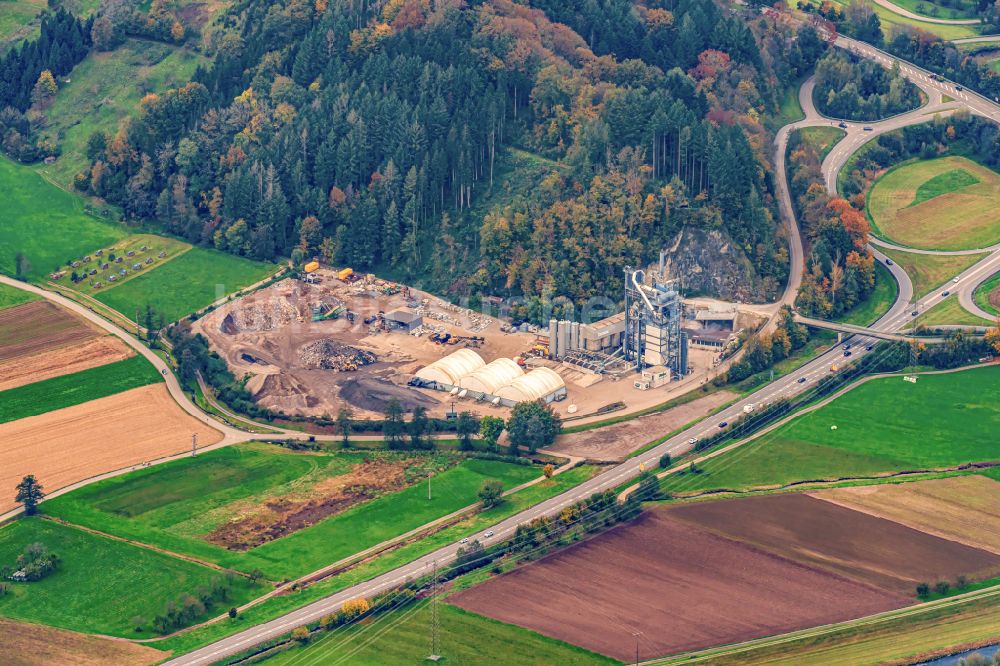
<point>896,9</point>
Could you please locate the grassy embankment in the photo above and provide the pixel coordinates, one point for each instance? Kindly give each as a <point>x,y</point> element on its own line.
<point>931,271</point>
<point>9,297</point>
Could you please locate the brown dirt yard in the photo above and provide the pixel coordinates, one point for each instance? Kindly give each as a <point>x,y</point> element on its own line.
<point>27,644</point>
<point>39,326</point>
<point>961,508</point>
<point>616,441</point>
<point>63,361</point>
<point>683,587</point>
<point>76,443</point>
<point>276,517</point>
<point>840,540</point>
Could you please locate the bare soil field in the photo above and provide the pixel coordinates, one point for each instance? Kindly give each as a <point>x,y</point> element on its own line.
<point>616,441</point>
<point>89,353</point>
<point>683,587</point>
<point>76,443</point>
<point>961,508</point>
<point>26,644</point>
<point>39,326</point>
<point>279,516</point>
<point>840,540</point>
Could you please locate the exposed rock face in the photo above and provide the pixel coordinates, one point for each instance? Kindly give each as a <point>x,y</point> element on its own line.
<point>707,263</point>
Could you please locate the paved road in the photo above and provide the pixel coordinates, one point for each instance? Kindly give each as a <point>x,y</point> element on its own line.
<point>231,435</point>
<point>896,9</point>
<point>976,40</point>
<point>898,317</point>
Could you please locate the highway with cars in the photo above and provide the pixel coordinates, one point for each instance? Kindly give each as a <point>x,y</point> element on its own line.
<point>900,316</point>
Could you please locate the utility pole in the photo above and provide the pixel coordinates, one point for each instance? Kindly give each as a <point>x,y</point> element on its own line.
<point>194,444</point>
<point>636,634</point>
<point>429,486</point>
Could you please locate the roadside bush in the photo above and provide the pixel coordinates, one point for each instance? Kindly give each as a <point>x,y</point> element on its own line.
<point>942,587</point>
<point>301,634</point>
<point>665,461</point>
<point>923,589</point>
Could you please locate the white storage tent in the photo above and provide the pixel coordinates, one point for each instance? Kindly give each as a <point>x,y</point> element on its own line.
<point>539,384</point>
<point>451,368</point>
<point>489,379</point>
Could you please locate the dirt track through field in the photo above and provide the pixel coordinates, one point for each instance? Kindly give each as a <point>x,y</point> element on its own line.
<point>683,587</point>
<point>27,644</point>
<point>76,443</point>
<point>965,509</point>
<point>616,441</point>
<point>840,540</point>
<point>56,362</point>
<point>39,326</point>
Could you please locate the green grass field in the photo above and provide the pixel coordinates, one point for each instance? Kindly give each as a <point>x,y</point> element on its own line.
<point>277,606</point>
<point>45,223</point>
<point>76,388</point>
<point>18,21</point>
<point>950,311</point>
<point>102,583</point>
<point>790,110</point>
<point>401,637</point>
<point>878,303</point>
<point>882,425</point>
<point>9,297</point>
<point>174,505</point>
<point>105,88</point>
<point>929,271</point>
<point>947,203</point>
<point>822,138</point>
<point>154,247</point>
<point>982,294</point>
<point>186,284</point>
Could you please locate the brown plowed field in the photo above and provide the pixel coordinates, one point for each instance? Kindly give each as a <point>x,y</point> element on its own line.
<point>27,644</point>
<point>53,363</point>
<point>76,443</point>
<point>683,587</point>
<point>851,543</point>
<point>39,326</point>
<point>961,508</point>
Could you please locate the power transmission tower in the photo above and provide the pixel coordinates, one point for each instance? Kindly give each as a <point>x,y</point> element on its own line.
<point>434,656</point>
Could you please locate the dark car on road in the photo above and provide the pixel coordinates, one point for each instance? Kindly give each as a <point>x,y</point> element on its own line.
<point>888,262</point>
<point>724,424</point>
<point>869,347</point>
<point>802,380</point>
<point>867,129</point>
<point>847,353</point>
<point>842,125</point>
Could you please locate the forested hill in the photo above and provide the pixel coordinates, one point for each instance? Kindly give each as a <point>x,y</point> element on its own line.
<point>383,134</point>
